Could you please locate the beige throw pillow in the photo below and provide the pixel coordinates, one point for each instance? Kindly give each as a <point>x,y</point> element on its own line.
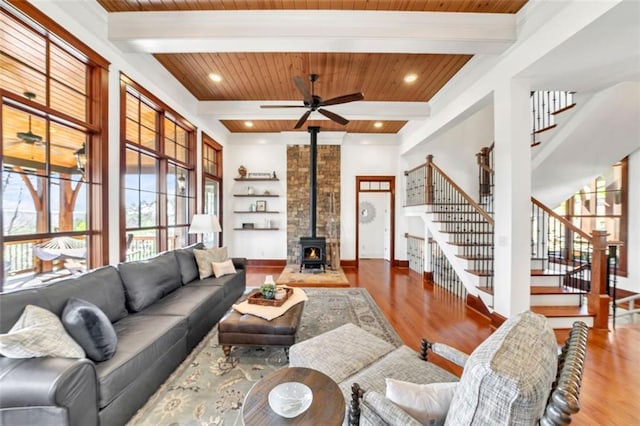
<point>223,268</point>
<point>428,403</point>
<point>38,333</point>
<point>205,257</point>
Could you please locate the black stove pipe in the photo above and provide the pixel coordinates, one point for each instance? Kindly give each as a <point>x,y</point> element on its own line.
<point>313,177</point>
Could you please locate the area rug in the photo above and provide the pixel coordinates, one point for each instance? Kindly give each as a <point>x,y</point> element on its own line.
<point>206,389</point>
<point>292,276</point>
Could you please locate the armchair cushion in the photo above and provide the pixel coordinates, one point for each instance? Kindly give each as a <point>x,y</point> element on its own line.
<point>378,410</point>
<point>427,403</point>
<point>507,379</point>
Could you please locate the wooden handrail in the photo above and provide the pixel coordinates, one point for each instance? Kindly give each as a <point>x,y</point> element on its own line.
<point>466,196</point>
<point>407,235</point>
<point>486,168</point>
<point>406,172</point>
<point>562,220</point>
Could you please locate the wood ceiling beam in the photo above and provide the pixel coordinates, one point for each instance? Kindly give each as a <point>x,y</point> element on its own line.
<point>312,31</point>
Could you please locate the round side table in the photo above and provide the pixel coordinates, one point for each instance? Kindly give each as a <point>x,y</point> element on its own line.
<point>327,407</point>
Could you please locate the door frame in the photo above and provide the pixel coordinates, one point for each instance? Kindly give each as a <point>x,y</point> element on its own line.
<point>391,180</point>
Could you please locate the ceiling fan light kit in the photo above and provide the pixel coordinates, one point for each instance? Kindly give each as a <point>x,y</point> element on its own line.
<point>315,103</point>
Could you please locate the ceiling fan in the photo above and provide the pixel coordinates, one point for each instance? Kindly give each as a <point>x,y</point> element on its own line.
<point>315,103</point>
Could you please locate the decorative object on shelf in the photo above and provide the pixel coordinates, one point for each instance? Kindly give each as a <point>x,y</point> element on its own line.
<point>261,205</point>
<point>274,175</point>
<point>367,212</point>
<point>249,190</point>
<point>252,207</point>
<point>248,225</point>
<point>204,224</point>
<point>267,192</point>
<point>242,171</point>
<point>260,175</point>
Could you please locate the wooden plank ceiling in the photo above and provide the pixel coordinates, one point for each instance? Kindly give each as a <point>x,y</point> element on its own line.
<point>354,126</point>
<point>268,76</point>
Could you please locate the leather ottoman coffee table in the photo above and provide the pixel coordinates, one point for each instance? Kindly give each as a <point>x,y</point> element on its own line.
<point>236,329</point>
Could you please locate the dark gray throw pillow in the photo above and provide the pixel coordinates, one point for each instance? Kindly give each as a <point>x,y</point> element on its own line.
<point>90,328</point>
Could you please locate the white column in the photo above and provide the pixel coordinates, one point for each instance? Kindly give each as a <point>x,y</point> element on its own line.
<point>114,165</point>
<point>512,264</point>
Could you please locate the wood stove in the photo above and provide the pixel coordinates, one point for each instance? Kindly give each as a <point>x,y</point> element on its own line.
<point>313,248</point>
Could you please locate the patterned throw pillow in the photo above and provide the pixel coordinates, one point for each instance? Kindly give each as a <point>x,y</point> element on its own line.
<point>38,333</point>
<point>205,257</point>
<point>223,268</point>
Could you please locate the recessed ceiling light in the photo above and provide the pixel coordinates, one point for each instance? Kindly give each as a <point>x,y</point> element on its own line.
<point>215,77</point>
<point>248,123</point>
<point>377,124</point>
<point>410,78</point>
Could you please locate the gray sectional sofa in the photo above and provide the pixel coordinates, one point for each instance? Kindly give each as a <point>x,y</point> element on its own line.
<point>159,308</point>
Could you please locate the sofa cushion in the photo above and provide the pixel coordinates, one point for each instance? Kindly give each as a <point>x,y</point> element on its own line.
<point>142,339</point>
<point>147,281</point>
<point>102,287</point>
<point>91,328</point>
<point>508,378</point>
<point>205,257</point>
<point>192,302</point>
<point>38,333</point>
<point>428,403</point>
<point>230,283</point>
<point>187,262</point>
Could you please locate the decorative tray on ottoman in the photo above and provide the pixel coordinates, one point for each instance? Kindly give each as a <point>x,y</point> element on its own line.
<point>256,298</point>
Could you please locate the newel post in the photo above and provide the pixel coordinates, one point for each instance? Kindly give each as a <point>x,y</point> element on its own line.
<point>598,298</point>
<point>428,188</point>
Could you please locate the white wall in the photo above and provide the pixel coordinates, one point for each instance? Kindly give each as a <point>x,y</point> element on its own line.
<point>258,154</point>
<point>367,160</point>
<point>373,238</point>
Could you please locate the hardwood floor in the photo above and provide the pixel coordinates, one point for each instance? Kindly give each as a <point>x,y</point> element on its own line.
<point>611,381</point>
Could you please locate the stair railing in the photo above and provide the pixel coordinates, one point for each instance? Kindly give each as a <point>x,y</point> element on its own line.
<point>443,273</point>
<point>415,253</point>
<point>415,186</point>
<point>580,258</point>
<point>485,177</point>
<point>544,105</point>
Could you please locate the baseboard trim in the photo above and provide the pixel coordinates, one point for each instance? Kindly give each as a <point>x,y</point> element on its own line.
<point>267,263</point>
<point>348,263</point>
<point>401,263</point>
<point>476,303</point>
<point>427,279</point>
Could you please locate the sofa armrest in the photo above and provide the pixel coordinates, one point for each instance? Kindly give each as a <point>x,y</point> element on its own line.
<point>374,408</point>
<point>447,352</point>
<point>239,262</point>
<point>67,383</point>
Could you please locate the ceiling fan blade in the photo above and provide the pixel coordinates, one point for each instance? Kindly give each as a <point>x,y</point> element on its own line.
<point>333,116</point>
<point>282,106</point>
<point>302,119</point>
<point>352,97</point>
<point>302,88</point>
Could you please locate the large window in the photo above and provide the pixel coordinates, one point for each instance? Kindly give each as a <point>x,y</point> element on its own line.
<point>602,205</point>
<point>52,114</point>
<point>212,173</point>
<point>158,200</point>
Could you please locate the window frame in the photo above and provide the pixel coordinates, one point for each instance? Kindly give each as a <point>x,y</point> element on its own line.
<point>209,143</point>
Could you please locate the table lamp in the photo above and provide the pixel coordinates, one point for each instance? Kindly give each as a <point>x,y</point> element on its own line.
<point>204,224</point>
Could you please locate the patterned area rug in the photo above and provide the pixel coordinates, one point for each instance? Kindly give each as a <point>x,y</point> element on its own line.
<point>207,390</point>
<point>291,276</point>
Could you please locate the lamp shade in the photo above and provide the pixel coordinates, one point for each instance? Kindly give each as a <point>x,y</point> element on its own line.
<point>203,223</point>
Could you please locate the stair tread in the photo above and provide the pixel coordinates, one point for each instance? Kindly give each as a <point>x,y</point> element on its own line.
<point>472,244</point>
<point>480,273</point>
<point>555,290</point>
<point>467,232</point>
<point>449,204</point>
<point>484,289</point>
<point>561,110</point>
<point>562,311</point>
<point>553,126</point>
<point>459,221</point>
<point>467,257</point>
<point>546,273</point>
